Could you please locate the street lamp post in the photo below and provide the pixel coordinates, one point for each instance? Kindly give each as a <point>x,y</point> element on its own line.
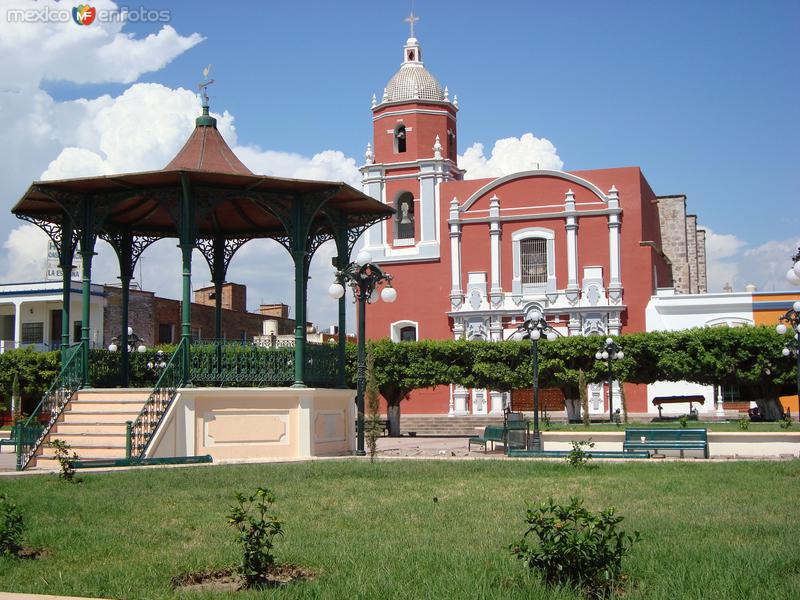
<point>363,276</point>
<point>791,322</point>
<point>533,328</point>
<point>609,352</point>
<point>130,343</point>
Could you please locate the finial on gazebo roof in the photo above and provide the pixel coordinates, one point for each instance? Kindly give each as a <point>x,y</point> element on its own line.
<point>206,119</point>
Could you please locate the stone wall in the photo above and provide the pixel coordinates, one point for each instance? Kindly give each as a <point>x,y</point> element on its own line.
<point>140,314</point>
<point>672,222</point>
<point>684,244</point>
<point>691,251</point>
<point>702,268</point>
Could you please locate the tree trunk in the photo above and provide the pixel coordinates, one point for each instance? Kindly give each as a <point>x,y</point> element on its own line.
<point>573,406</point>
<point>393,414</point>
<point>770,408</point>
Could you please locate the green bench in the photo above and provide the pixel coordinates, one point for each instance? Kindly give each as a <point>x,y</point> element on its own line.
<point>565,453</point>
<point>666,439</point>
<point>10,441</point>
<point>492,433</point>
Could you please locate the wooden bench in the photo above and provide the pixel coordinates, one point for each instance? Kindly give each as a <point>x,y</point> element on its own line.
<point>492,433</point>
<point>565,453</point>
<point>666,439</point>
<point>661,400</point>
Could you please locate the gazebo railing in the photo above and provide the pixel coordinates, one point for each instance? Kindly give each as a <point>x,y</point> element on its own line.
<point>164,392</point>
<point>30,434</point>
<point>221,363</point>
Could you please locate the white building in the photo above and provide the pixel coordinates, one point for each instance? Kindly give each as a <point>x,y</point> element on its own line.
<point>30,315</point>
<point>668,311</point>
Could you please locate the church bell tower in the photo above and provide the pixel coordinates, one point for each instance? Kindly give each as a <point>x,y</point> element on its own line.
<point>413,150</point>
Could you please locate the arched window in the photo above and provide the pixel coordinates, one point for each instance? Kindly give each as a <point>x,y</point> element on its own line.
<point>404,331</point>
<point>404,219</point>
<point>400,139</point>
<point>408,334</point>
<point>451,143</point>
<point>534,261</point>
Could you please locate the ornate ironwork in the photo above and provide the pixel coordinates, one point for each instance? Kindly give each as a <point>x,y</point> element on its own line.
<point>206,248</point>
<point>54,231</point>
<point>315,241</point>
<point>224,363</point>
<point>159,400</point>
<point>128,248</point>
<point>32,432</point>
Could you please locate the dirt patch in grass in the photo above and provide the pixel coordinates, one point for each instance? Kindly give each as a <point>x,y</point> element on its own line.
<point>228,580</point>
<point>32,553</point>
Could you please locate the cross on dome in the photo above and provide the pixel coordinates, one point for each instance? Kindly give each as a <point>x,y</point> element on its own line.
<point>411,19</point>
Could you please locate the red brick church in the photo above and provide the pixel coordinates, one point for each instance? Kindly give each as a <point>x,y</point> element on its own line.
<point>470,257</point>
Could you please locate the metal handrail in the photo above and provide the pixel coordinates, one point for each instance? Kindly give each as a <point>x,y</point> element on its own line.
<point>164,391</point>
<point>31,433</point>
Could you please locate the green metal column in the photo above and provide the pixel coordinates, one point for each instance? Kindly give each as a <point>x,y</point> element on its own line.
<point>65,260</point>
<point>299,257</point>
<point>187,245</point>
<point>342,260</point>
<point>299,233</point>
<point>123,338</point>
<point>87,253</point>
<point>218,276</point>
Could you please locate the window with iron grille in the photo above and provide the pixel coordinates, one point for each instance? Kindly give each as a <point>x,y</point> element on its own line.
<point>33,333</point>
<point>533,261</point>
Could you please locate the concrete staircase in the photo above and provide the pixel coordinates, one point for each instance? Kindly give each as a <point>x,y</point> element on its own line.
<point>93,424</point>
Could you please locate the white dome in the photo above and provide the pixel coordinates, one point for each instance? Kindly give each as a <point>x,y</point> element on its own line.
<point>413,82</point>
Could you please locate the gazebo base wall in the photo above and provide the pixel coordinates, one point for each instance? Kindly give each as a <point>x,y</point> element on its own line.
<point>257,423</point>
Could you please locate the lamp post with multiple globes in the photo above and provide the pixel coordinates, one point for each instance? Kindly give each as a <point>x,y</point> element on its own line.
<point>364,277</point>
<point>609,352</point>
<point>533,327</point>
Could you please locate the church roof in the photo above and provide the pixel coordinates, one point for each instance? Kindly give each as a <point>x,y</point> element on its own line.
<point>413,81</point>
<point>206,150</point>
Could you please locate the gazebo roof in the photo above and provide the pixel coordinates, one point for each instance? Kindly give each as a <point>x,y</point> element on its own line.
<point>228,199</point>
<point>206,150</point>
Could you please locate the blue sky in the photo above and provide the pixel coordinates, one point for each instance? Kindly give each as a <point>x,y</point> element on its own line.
<point>703,96</point>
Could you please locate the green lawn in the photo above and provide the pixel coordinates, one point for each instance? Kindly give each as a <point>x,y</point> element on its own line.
<point>709,530</point>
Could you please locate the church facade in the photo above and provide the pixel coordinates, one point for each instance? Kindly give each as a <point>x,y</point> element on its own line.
<point>471,257</point>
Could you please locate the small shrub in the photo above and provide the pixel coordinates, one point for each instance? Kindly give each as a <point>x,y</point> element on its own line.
<point>584,395</point>
<point>373,428</point>
<point>578,457</point>
<point>65,461</point>
<point>575,547</point>
<point>546,423</point>
<point>744,423</point>
<point>786,421</point>
<point>684,421</point>
<point>12,526</point>
<point>257,529</point>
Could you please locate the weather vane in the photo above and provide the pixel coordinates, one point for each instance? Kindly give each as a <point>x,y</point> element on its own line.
<point>202,86</point>
<point>411,19</point>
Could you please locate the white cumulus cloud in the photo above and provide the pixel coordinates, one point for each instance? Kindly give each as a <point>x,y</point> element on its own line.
<point>731,261</point>
<point>510,155</point>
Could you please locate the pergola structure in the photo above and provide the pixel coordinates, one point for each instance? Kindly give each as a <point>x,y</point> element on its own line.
<point>210,201</point>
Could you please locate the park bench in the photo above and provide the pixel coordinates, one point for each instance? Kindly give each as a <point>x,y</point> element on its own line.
<point>666,439</point>
<point>492,433</point>
<point>10,441</point>
<point>659,401</point>
<point>564,453</point>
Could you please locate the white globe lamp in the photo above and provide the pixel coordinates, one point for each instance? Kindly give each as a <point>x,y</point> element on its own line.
<point>389,294</point>
<point>336,291</point>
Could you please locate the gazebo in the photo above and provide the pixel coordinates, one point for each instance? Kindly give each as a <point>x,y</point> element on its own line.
<point>207,199</point>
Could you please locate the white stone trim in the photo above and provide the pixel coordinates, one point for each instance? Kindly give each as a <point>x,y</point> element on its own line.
<point>396,326</point>
<point>535,173</point>
<point>527,233</point>
<point>494,235</point>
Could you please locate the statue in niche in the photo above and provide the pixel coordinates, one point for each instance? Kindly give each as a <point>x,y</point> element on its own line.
<point>405,226</point>
<point>404,218</point>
